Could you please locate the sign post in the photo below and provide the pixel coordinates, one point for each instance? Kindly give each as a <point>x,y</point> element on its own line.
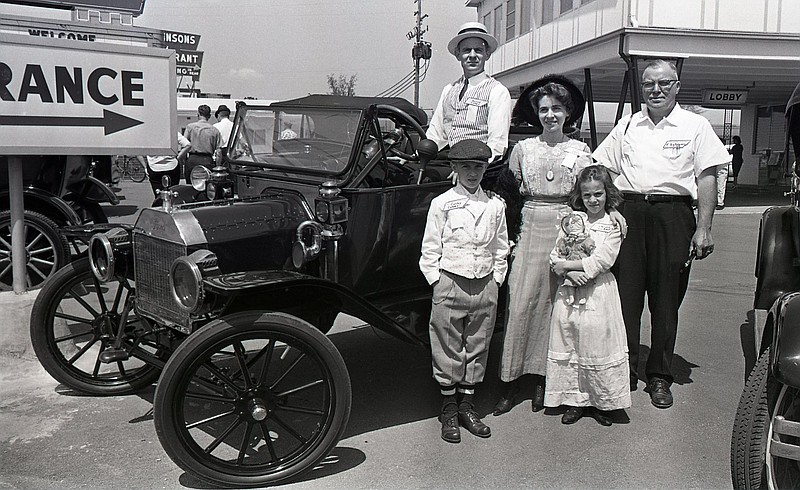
<point>17,224</point>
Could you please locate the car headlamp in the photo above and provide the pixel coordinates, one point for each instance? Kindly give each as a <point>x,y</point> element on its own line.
<point>186,279</point>
<point>102,250</point>
<point>198,177</point>
<point>219,184</point>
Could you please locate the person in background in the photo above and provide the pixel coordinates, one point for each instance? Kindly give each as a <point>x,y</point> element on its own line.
<point>169,165</point>
<point>463,257</point>
<point>722,182</point>
<point>587,360</point>
<point>205,140</point>
<point>476,106</point>
<point>224,126</point>
<point>663,158</point>
<point>737,150</point>
<point>287,133</point>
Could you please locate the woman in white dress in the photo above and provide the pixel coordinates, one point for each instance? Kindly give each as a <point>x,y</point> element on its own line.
<point>545,168</point>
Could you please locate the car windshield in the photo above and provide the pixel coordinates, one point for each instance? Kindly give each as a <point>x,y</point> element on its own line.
<point>318,140</point>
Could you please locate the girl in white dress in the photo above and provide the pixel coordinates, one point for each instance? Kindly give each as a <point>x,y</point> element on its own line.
<point>587,358</point>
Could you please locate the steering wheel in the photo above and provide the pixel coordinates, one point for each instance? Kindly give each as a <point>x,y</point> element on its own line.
<point>407,120</point>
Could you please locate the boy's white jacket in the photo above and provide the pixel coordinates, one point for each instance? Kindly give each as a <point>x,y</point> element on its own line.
<point>465,234</point>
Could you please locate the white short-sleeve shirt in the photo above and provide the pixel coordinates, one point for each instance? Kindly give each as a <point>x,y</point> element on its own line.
<point>663,158</point>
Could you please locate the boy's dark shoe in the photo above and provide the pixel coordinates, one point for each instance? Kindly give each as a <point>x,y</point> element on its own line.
<point>470,420</point>
<point>660,395</point>
<point>537,402</point>
<point>450,430</point>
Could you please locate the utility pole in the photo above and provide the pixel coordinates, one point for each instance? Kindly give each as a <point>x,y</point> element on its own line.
<point>421,49</point>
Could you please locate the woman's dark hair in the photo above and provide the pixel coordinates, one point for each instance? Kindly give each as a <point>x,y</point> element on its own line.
<point>558,92</point>
<point>600,174</point>
<point>737,140</point>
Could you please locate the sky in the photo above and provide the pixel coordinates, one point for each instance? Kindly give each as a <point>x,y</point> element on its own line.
<point>282,49</point>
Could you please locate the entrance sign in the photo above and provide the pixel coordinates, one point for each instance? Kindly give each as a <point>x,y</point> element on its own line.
<point>723,97</point>
<point>64,98</point>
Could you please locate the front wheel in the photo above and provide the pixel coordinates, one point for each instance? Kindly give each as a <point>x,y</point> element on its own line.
<point>252,399</point>
<point>75,319</point>
<point>765,449</point>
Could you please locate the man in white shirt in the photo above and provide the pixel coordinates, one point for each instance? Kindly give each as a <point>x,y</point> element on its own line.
<point>476,106</point>
<point>224,126</point>
<point>664,158</point>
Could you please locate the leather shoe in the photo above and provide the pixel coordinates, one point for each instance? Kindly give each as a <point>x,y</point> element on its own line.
<point>450,430</point>
<point>602,417</point>
<point>470,420</point>
<point>537,403</point>
<point>572,415</point>
<point>506,402</point>
<point>660,395</point>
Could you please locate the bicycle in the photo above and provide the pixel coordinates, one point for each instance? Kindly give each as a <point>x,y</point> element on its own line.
<point>130,167</point>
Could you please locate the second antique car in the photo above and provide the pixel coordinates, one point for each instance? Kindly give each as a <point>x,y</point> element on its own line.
<point>58,191</point>
<point>765,443</point>
<point>226,302</point>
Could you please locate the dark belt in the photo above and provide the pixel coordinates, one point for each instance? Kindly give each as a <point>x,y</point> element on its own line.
<point>200,154</point>
<point>630,196</point>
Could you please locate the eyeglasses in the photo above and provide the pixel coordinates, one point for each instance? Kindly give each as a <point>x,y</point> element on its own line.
<point>662,84</point>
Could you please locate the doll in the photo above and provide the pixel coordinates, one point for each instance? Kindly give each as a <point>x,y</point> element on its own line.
<point>574,244</point>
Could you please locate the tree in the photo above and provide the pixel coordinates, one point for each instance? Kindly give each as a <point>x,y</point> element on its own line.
<point>342,85</point>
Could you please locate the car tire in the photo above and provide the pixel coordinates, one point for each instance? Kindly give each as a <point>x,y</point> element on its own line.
<point>74,320</point>
<point>767,417</point>
<point>47,249</point>
<point>252,399</point>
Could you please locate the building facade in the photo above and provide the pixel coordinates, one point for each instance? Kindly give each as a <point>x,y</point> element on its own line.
<point>738,55</point>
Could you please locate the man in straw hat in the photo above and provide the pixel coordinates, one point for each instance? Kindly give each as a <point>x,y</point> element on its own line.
<point>476,106</point>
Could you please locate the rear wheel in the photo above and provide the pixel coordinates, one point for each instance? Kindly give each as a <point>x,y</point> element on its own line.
<point>765,448</point>
<point>46,250</point>
<point>252,399</point>
<point>75,319</point>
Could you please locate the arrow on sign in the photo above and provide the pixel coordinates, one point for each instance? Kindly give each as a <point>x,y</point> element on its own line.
<point>111,122</point>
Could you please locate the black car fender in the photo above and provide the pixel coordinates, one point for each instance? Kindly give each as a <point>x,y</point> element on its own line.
<point>272,290</point>
<point>778,255</point>
<point>46,203</point>
<point>90,190</point>
<point>785,352</point>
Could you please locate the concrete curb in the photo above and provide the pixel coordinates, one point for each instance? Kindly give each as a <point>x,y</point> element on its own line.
<point>15,317</point>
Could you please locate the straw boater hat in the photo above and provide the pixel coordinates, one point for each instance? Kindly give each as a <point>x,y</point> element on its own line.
<point>524,110</point>
<point>472,29</point>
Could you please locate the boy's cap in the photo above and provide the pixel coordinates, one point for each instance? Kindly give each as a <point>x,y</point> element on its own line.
<point>470,151</point>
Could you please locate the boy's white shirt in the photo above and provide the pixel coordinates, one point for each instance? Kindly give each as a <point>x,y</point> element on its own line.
<point>465,234</point>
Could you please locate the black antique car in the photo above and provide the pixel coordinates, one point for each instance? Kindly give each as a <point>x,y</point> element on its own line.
<point>226,303</point>
<point>765,444</point>
<point>59,191</point>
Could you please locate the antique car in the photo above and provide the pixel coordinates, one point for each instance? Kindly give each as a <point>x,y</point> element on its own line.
<point>765,444</point>
<point>226,302</point>
<point>59,191</point>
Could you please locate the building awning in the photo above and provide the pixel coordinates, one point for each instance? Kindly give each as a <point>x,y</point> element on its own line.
<point>767,65</point>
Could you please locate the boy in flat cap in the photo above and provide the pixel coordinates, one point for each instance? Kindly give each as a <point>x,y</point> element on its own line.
<point>464,251</point>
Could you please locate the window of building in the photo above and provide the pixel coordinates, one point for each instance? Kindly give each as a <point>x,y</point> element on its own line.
<point>566,6</point>
<point>487,21</point>
<point>547,11</point>
<point>584,2</point>
<point>511,19</point>
<point>498,20</point>
<point>525,16</point>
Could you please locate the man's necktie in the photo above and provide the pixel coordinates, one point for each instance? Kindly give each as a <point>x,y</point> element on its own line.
<point>463,89</point>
